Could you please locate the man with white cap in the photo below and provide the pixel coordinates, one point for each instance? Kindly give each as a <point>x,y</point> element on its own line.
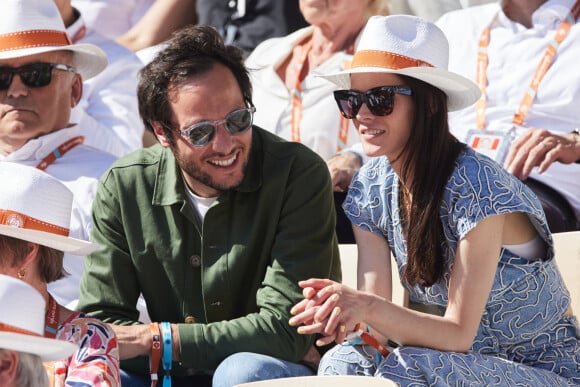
<point>41,75</point>
<point>22,345</point>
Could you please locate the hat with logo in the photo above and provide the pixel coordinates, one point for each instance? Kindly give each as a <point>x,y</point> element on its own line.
<point>36,207</point>
<point>29,27</point>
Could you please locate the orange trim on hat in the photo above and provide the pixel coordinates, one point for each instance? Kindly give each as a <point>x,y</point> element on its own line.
<point>35,38</point>
<point>18,220</point>
<point>376,58</point>
<point>13,329</point>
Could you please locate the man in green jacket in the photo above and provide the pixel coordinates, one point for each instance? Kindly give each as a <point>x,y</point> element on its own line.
<point>215,226</point>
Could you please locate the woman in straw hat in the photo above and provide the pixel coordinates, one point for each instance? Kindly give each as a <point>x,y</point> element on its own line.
<point>22,345</point>
<point>35,212</point>
<point>465,235</point>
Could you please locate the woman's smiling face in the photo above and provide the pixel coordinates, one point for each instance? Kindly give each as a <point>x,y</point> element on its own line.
<point>383,135</point>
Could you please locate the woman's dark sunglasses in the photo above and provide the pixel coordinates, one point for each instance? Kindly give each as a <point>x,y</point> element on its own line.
<point>236,122</point>
<point>32,75</point>
<point>379,100</point>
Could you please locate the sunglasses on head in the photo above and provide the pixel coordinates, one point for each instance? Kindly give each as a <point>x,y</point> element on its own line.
<point>202,133</point>
<point>32,75</point>
<point>379,100</point>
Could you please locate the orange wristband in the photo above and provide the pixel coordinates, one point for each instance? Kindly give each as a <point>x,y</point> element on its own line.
<point>155,356</point>
<point>359,335</point>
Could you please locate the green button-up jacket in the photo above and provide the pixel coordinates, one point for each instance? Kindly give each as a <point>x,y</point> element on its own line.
<point>236,274</point>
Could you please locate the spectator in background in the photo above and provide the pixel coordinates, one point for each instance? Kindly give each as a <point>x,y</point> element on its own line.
<point>246,24</point>
<point>113,18</point>
<point>107,113</point>
<point>35,213</point>
<point>292,102</point>
<point>22,345</point>
<point>214,225</point>
<point>42,77</point>
<point>529,103</point>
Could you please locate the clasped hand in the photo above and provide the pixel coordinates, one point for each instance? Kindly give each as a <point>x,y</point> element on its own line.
<point>328,308</point>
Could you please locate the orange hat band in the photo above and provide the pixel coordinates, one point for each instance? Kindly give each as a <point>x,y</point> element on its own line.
<point>31,39</point>
<point>13,329</point>
<point>18,220</point>
<point>389,60</point>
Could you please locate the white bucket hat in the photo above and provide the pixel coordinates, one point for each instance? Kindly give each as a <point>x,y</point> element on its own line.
<point>29,27</point>
<point>36,207</point>
<point>411,46</point>
<point>22,322</point>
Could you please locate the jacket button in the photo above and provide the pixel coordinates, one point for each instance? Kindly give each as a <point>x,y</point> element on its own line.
<point>195,260</point>
<point>190,320</point>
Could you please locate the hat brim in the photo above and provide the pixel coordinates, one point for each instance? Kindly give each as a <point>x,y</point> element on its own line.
<point>58,242</point>
<point>461,92</point>
<point>47,349</point>
<point>89,60</point>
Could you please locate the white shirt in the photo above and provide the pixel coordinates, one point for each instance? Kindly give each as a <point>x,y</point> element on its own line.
<point>108,112</point>
<point>80,170</point>
<point>320,122</point>
<point>514,53</point>
<point>112,18</point>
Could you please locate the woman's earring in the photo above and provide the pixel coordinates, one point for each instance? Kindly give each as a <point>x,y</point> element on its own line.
<point>21,274</point>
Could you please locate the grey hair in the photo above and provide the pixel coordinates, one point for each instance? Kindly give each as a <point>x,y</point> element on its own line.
<point>30,371</point>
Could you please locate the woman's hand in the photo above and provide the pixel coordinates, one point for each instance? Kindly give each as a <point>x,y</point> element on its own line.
<point>328,308</point>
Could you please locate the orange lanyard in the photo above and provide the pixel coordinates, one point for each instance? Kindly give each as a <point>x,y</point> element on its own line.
<point>51,319</point>
<point>541,70</point>
<point>299,74</point>
<point>59,152</point>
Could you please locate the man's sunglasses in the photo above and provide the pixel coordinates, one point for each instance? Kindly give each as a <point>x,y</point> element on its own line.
<point>379,100</point>
<point>236,122</point>
<point>32,75</point>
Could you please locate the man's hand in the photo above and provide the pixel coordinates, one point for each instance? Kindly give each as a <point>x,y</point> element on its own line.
<point>342,167</point>
<point>539,148</point>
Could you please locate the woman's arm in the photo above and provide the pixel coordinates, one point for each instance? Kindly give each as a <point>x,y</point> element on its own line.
<point>471,281</point>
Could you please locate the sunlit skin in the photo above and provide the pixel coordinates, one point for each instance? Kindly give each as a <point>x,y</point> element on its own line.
<point>333,309</point>
<point>332,14</point>
<point>27,113</point>
<point>219,166</point>
<point>383,135</point>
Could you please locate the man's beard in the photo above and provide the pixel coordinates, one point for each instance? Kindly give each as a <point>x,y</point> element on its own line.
<point>195,172</point>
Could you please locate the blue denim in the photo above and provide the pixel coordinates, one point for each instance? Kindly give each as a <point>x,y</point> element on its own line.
<point>247,367</point>
<point>238,368</point>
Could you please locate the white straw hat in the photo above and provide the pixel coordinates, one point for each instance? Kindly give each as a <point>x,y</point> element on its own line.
<point>29,27</point>
<point>36,207</point>
<point>411,46</point>
<point>22,322</point>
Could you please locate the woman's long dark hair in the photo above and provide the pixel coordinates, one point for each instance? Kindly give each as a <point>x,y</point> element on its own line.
<point>429,156</point>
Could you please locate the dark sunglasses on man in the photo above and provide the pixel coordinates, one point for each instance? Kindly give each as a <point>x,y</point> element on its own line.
<point>37,74</point>
<point>202,133</point>
<point>380,100</point>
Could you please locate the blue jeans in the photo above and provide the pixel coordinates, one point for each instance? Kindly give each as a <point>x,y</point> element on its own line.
<point>244,367</point>
<point>238,368</point>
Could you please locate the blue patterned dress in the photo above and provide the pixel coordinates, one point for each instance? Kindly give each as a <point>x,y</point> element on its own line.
<point>524,338</point>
